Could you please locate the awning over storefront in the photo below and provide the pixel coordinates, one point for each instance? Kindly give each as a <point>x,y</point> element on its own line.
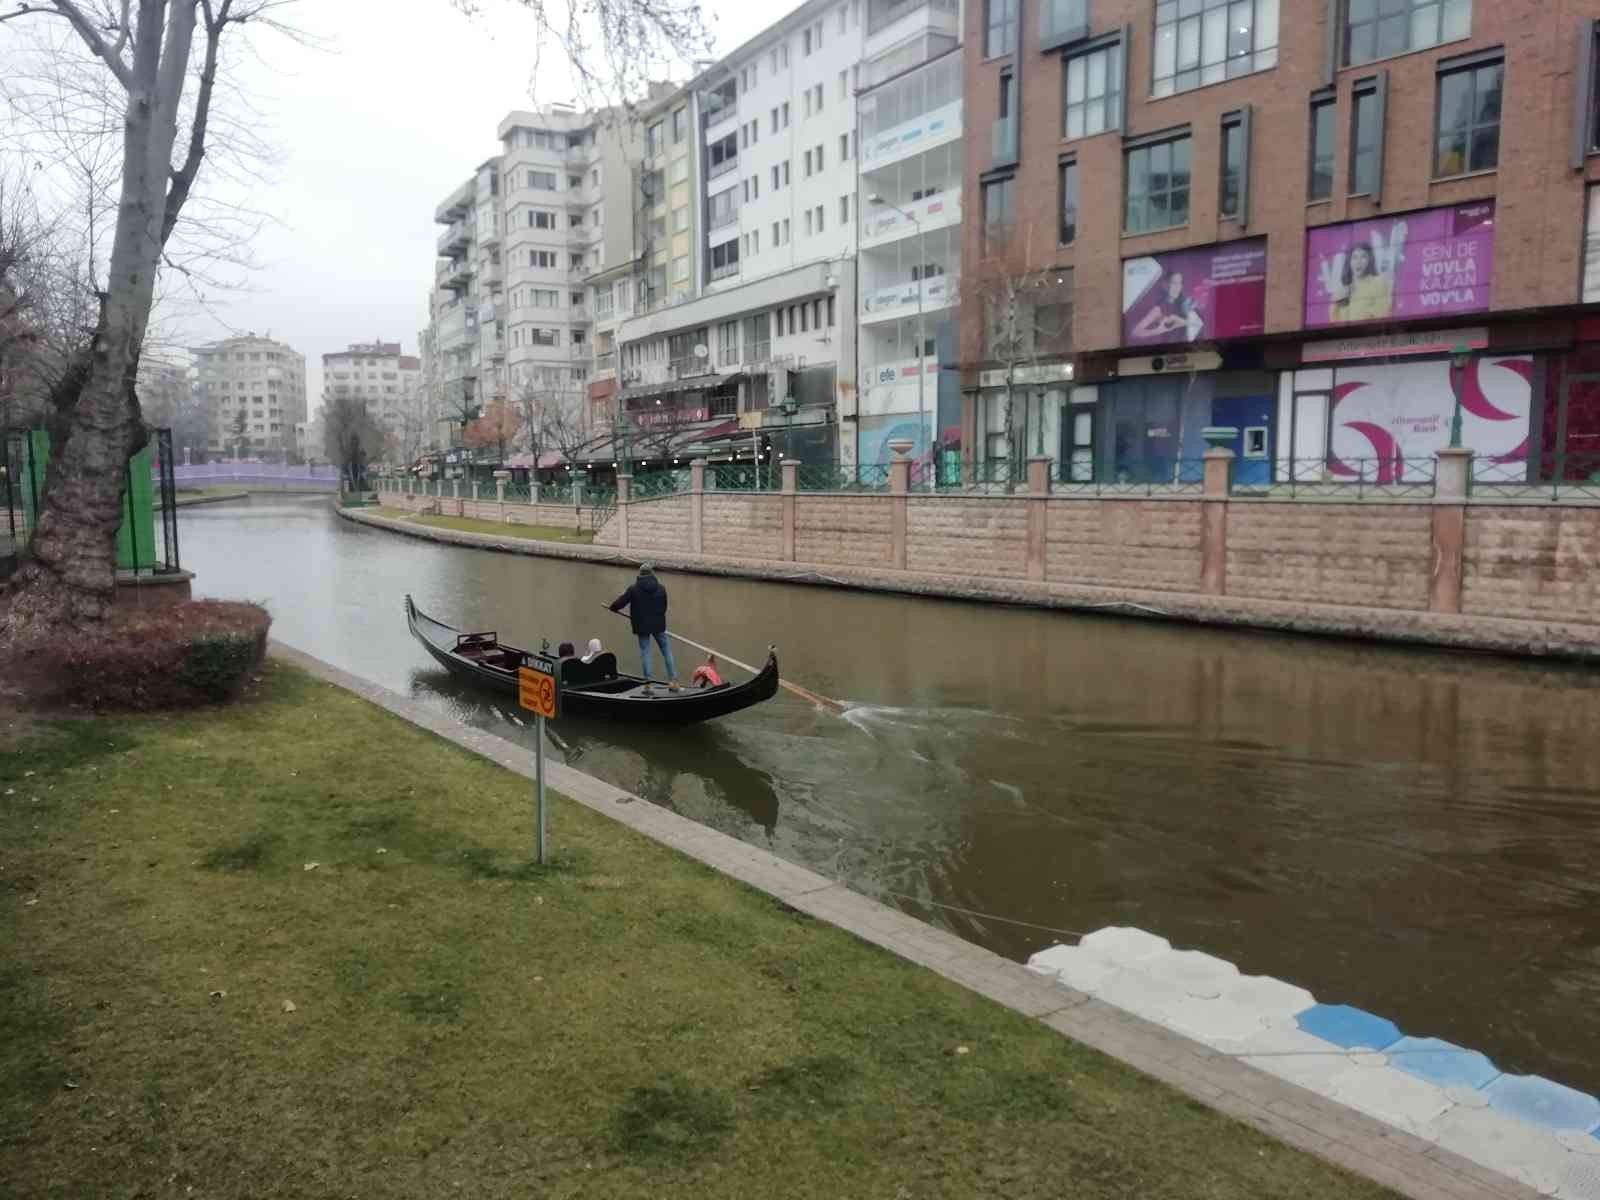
<point>689,383</point>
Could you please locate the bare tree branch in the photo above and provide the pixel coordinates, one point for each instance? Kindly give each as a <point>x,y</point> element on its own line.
<point>96,43</point>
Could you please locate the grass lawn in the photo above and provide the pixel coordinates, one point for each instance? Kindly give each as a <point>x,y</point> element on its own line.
<point>623,1023</point>
<point>540,533</point>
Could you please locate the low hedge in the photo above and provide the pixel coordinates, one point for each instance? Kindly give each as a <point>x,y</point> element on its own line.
<point>180,655</point>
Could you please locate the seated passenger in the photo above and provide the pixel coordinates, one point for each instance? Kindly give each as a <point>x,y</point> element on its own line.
<point>705,675</point>
<point>595,650</point>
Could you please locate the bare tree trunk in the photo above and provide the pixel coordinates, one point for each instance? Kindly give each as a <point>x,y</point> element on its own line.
<point>70,579</point>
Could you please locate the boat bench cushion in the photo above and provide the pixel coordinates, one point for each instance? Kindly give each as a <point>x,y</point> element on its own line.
<point>575,672</point>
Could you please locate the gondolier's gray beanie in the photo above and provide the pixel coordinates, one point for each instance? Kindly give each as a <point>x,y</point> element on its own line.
<point>646,569</point>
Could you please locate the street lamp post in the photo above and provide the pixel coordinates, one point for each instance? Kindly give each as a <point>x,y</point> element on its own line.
<point>922,386</point>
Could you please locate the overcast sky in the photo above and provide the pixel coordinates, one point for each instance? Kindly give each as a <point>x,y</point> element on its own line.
<point>374,127</point>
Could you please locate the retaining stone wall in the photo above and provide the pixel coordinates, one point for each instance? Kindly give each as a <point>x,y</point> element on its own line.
<point>967,537</point>
<point>652,525</point>
<point>1151,544</point>
<point>1374,554</point>
<point>1532,562</point>
<point>742,526</point>
<point>852,531</point>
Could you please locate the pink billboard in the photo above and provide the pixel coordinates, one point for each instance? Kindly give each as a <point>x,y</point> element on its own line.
<point>1194,295</point>
<point>1434,263</point>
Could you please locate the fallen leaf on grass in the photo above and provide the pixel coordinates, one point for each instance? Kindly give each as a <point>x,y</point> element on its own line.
<point>30,903</point>
<point>218,995</point>
<point>381,850</point>
<point>312,866</point>
<point>288,1006</point>
<point>72,1083</point>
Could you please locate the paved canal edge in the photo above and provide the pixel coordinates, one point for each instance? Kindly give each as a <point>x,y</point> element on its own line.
<point>1499,635</point>
<point>1291,1114</point>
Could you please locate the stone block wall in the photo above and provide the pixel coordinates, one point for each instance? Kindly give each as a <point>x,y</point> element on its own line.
<point>658,524</point>
<point>987,536</point>
<point>1124,543</point>
<point>736,526</point>
<point>848,531</point>
<point>1375,554</point>
<point>1534,562</point>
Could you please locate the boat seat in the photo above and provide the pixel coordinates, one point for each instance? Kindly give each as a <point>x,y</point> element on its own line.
<point>576,673</point>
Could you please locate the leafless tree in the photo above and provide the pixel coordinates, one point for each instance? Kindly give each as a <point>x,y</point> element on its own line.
<point>163,56</point>
<point>351,438</point>
<point>1027,318</point>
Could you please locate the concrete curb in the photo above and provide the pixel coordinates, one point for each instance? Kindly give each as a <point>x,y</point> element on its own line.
<point>1497,635</point>
<point>1300,1118</point>
<point>187,501</point>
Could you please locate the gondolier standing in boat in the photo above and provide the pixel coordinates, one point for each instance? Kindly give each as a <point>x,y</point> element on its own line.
<point>646,602</point>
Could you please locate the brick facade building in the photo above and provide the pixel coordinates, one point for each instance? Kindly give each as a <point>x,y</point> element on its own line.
<point>1339,227</point>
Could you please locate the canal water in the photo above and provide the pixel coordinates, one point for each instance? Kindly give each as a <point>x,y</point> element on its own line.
<point>1414,833</point>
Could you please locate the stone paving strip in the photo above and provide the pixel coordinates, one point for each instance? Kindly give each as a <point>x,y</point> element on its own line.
<point>1552,639</point>
<point>1382,1152</point>
<point>1533,1129</point>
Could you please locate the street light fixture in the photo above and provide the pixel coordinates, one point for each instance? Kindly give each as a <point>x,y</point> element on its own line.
<point>877,201</point>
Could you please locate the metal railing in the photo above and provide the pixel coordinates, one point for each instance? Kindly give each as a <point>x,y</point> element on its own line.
<point>650,484</point>
<point>842,477</point>
<point>1328,478</point>
<point>716,170</point>
<point>1559,476</point>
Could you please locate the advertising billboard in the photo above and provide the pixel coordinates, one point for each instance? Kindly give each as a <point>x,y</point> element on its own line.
<point>1434,263</point>
<point>1199,294</point>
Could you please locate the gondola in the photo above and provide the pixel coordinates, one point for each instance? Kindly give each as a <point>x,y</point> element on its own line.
<point>596,689</point>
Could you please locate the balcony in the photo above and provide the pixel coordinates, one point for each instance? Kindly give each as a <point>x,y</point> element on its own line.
<point>457,274</point>
<point>456,203</point>
<point>577,237</point>
<point>718,111</point>
<point>489,273</point>
<point>883,225</point>
<point>911,136</point>
<point>579,312</point>
<point>605,365</point>
<point>1062,22</point>
<point>718,220</point>
<point>1003,142</point>
<point>901,299</point>
<point>454,239</point>
<point>724,272</point>
<point>717,170</point>
<point>882,15</point>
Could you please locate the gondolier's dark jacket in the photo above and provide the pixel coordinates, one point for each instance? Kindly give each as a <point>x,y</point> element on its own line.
<point>646,602</point>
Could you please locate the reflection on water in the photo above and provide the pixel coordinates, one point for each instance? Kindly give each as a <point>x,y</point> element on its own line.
<point>1411,832</point>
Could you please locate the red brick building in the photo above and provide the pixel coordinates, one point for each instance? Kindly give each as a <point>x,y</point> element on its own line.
<point>1337,226</point>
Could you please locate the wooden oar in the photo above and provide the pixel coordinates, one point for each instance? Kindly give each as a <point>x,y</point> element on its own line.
<point>804,694</point>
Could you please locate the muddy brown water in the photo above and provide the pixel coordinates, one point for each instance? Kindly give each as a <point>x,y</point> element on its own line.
<point>1415,833</point>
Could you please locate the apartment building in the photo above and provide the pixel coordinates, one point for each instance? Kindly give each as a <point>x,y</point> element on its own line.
<point>910,166</point>
<point>755,343</point>
<point>1350,233</point>
<point>509,317</point>
<point>389,382</point>
<point>253,392</point>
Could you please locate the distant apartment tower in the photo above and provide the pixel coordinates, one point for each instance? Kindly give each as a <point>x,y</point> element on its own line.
<point>749,341</point>
<point>253,392</point>
<point>509,316</point>
<point>390,382</point>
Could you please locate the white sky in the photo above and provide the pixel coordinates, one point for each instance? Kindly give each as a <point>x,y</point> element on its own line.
<point>396,106</point>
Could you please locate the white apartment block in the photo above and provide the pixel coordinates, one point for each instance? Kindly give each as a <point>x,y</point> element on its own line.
<point>910,167</point>
<point>757,341</point>
<point>510,320</point>
<point>253,392</point>
<point>389,382</point>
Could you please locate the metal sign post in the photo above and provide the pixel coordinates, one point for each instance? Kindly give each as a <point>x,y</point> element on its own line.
<point>539,691</point>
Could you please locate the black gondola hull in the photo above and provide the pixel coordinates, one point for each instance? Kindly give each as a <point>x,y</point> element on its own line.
<point>639,703</point>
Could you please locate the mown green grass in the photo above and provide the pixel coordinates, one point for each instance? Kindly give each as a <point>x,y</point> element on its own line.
<point>620,1023</point>
<point>539,533</point>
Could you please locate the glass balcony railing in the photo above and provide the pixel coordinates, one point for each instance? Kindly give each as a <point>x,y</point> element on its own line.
<point>1062,22</point>
<point>881,15</point>
<point>1003,142</point>
<point>722,168</point>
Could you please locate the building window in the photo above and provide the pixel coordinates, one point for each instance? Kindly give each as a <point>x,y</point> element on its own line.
<point>544,181</point>
<point>1366,137</point>
<point>1000,28</point>
<point>1375,29</point>
<point>1156,186</point>
<point>999,208</point>
<point>844,210</point>
<point>725,259</point>
<point>844,147</point>
<point>652,140</point>
<point>1468,119</point>
<point>1199,42</point>
<point>1092,91</point>
<point>1234,184</point>
<point>1067,186</point>
<point>1319,181</point>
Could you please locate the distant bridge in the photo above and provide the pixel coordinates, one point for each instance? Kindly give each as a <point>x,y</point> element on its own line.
<point>258,475</point>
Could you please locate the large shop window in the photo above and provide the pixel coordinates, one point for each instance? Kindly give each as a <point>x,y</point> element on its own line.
<point>1468,117</point>
<point>1199,42</point>
<point>1156,185</point>
<point>1093,95</point>
<point>1369,100</point>
<point>1375,29</point>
